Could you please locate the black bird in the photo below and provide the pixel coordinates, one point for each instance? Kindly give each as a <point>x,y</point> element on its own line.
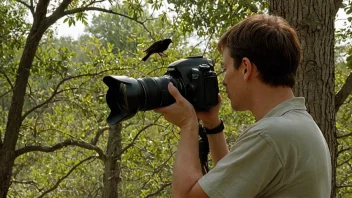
<point>157,47</point>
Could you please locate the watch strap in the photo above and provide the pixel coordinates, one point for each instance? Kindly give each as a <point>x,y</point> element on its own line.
<point>215,130</point>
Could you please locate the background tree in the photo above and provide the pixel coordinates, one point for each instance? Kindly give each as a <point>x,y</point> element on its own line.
<point>57,83</point>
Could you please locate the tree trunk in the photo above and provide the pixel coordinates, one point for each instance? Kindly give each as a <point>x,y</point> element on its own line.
<point>7,150</point>
<point>112,162</point>
<point>314,23</point>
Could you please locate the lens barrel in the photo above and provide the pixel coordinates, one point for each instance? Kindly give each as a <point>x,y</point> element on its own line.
<point>126,96</point>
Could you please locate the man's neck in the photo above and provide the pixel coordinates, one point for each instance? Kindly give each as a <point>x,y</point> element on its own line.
<point>267,97</point>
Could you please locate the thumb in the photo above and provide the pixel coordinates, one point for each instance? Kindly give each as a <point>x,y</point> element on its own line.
<point>174,92</point>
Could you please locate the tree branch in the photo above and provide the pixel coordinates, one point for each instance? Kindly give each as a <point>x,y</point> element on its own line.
<point>98,134</point>
<point>345,135</point>
<point>27,183</point>
<point>206,46</point>
<point>77,10</point>
<point>30,7</point>
<point>344,162</point>
<point>344,186</point>
<point>56,91</point>
<point>4,94</point>
<point>157,170</point>
<point>162,187</point>
<point>1,139</point>
<point>7,79</point>
<point>66,143</point>
<point>62,7</point>
<point>135,138</point>
<point>343,150</point>
<point>344,92</point>
<point>137,135</point>
<point>338,4</point>
<point>65,176</point>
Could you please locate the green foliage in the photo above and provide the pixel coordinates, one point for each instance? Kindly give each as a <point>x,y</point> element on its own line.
<point>65,96</point>
<point>344,127</point>
<point>213,17</point>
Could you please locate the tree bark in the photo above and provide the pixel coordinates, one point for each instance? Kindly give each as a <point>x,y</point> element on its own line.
<point>314,23</point>
<point>112,162</point>
<point>7,151</point>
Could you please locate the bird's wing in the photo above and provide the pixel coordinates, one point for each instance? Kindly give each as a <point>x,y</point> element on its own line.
<point>154,46</point>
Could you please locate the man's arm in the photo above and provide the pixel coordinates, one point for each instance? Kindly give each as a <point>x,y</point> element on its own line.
<point>217,142</point>
<point>187,170</point>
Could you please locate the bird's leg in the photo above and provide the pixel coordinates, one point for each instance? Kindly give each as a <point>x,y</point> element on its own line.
<point>162,54</point>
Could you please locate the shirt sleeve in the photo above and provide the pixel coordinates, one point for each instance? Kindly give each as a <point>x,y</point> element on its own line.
<point>251,168</point>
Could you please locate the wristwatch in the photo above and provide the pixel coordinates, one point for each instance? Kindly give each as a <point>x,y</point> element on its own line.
<point>215,130</point>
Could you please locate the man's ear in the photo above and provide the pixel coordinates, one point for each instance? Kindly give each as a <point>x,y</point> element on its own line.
<point>247,69</point>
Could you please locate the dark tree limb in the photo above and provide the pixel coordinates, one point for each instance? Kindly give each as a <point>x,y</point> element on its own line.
<point>65,176</point>
<point>56,91</point>
<point>344,162</point>
<point>7,79</point>
<point>345,135</point>
<point>162,187</point>
<point>98,134</point>
<point>4,94</point>
<point>66,143</point>
<point>344,186</point>
<point>344,150</point>
<point>30,182</point>
<point>344,92</point>
<point>30,7</point>
<point>338,4</point>
<point>137,135</point>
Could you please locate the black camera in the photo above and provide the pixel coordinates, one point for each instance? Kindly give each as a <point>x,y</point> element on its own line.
<point>194,77</point>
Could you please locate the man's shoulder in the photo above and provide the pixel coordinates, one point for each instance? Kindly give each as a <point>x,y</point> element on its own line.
<point>290,123</point>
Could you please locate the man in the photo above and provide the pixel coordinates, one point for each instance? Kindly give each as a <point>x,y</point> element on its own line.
<point>284,154</point>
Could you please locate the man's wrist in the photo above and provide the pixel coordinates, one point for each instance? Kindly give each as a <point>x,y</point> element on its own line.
<point>190,125</point>
<point>212,124</point>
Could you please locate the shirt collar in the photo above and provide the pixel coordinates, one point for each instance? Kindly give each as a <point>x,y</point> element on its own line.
<point>290,104</point>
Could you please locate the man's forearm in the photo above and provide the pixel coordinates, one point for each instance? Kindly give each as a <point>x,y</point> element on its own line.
<point>217,142</point>
<point>187,170</point>
<point>218,146</point>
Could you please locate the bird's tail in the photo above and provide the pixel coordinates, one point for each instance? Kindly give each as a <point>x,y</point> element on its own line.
<point>146,57</point>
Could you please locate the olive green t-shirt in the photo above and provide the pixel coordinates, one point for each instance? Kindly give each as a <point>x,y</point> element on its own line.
<point>282,155</point>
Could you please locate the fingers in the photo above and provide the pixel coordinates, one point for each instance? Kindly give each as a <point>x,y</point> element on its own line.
<point>161,110</point>
<point>174,92</point>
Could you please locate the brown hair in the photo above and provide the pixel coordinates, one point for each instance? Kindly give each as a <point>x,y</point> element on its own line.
<point>270,43</point>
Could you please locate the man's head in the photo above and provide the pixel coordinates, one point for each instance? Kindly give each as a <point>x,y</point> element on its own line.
<point>269,45</point>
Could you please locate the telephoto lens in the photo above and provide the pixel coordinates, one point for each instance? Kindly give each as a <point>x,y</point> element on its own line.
<point>194,77</point>
<point>126,96</point>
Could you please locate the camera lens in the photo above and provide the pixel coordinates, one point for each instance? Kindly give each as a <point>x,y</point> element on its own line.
<point>126,96</point>
<point>156,91</point>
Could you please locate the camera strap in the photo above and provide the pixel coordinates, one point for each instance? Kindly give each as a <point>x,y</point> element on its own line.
<point>203,149</point>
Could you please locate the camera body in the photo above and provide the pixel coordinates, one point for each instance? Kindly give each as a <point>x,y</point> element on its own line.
<point>199,82</point>
<point>194,77</point>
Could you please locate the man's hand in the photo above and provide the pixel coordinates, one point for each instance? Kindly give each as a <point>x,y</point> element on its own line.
<point>181,113</point>
<point>211,118</point>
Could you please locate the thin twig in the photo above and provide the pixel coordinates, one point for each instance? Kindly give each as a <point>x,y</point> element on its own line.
<point>65,176</point>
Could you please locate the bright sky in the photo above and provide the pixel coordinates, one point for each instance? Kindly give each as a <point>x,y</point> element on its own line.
<point>76,30</point>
